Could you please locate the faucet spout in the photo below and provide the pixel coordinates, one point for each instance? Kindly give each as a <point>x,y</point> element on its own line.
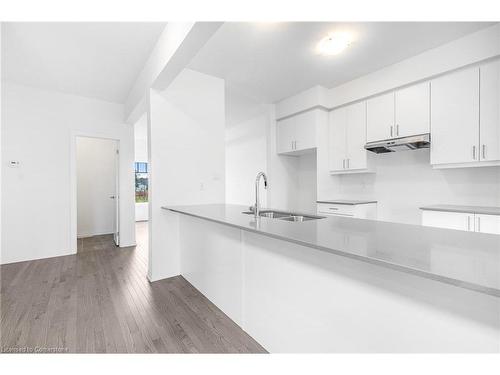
<point>257,199</point>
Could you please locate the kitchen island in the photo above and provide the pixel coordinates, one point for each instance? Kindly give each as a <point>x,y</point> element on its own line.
<point>342,284</point>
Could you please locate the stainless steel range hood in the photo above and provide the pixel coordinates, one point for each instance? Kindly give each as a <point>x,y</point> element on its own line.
<point>400,144</point>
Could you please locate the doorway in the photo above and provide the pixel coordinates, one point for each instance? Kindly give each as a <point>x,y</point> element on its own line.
<point>97,186</point>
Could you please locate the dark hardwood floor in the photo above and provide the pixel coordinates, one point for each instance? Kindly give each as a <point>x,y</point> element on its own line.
<point>99,301</point>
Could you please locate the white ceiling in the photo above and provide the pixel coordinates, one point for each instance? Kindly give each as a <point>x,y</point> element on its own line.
<point>276,60</point>
<point>98,60</point>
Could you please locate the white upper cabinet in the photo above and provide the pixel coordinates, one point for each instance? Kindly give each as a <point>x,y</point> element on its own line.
<point>337,140</point>
<point>356,136</point>
<point>455,118</point>
<point>380,117</point>
<point>297,134</point>
<point>400,113</point>
<point>347,137</point>
<point>489,135</point>
<point>412,110</point>
<point>285,136</point>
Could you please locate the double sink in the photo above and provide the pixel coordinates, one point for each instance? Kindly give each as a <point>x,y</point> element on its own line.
<point>285,216</point>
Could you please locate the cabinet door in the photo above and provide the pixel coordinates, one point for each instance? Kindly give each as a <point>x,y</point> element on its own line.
<point>488,224</point>
<point>380,117</point>
<point>337,138</point>
<point>448,220</point>
<point>285,135</point>
<point>455,118</point>
<point>489,134</point>
<point>305,129</point>
<point>356,136</point>
<point>412,110</point>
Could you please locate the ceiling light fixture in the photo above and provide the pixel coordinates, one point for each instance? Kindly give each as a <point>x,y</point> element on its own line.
<point>334,43</point>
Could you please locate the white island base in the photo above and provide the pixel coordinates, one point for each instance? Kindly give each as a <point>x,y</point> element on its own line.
<point>293,298</point>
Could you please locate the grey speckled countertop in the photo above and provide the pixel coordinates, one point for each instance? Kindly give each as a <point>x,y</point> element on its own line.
<point>464,259</point>
<point>466,209</point>
<point>350,202</point>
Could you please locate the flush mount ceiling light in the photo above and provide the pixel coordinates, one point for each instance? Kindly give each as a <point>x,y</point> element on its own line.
<point>334,43</point>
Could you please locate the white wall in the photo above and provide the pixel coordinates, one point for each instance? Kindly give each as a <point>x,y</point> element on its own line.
<point>141,155</point>
<point>306,180</point>
<point>247,125</point>
<point>95,183</point>
<point>38,200</point>
<point>283,176</point>
<point>186,127</point>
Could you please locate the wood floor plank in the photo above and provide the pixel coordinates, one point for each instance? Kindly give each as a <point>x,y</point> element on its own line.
<point>99,301</point>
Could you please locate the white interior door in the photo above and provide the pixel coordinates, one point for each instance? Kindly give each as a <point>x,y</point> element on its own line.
<point>97,186</point>
<point>116,234</point>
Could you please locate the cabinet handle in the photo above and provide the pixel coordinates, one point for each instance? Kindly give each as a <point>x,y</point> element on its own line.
<point>391,130</point>
<point>347,163</point>
<point>468,223</point>
<point>484,151</point>
<point>478,224</point>
<point>343,163</point>
<point>397,130</point>
<point>473,152</point>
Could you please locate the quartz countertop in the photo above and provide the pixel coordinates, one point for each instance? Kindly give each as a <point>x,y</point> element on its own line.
<point>464,259</point>
<point>350,202</point>
<point>467,209</point>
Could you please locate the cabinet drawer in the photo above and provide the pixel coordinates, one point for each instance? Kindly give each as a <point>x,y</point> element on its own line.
<point>336,209</point>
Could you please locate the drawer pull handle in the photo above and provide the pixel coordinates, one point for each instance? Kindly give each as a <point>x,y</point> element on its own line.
<point>333,208</point>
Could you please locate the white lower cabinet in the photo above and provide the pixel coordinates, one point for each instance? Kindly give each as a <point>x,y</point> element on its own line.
<point>360,211</point>
<point>487,223</point>
<point>448,220</point>
<point>470,222</point>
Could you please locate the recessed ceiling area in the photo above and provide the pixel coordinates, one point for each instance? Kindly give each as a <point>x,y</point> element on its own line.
<point>93,59</point>
<point>271,61</point>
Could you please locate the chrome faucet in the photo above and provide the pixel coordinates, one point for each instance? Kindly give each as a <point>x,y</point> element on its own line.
<point>257,200</point>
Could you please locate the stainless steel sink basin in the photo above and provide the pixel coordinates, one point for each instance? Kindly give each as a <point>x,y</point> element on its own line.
<point>286,216</point>
<point>270,214</point>
<point>298,218</point>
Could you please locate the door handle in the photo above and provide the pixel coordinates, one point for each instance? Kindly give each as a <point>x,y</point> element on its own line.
<point>473,152</point>
<point>478,224</point>
<point>397,130</point>
<point>347,163</point>
<point>343,163</point>
<point>468,222</point>
<point>391,130</point>
<point>484,151</point>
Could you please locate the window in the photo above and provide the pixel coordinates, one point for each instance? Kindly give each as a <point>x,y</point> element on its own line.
<point>141,182</point>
